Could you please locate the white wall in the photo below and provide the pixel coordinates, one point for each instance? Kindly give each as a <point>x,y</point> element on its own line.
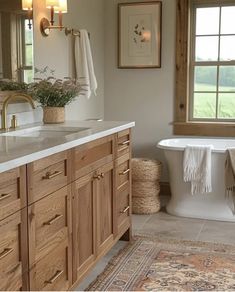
<point>141,95</point>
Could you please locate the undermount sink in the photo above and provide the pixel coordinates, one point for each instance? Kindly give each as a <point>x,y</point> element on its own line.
<point>45,132</point>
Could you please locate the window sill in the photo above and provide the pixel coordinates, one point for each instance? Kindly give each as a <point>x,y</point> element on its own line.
<point>204,129</point>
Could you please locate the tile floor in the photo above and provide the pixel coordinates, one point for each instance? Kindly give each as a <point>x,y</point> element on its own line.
<point>165,225</point>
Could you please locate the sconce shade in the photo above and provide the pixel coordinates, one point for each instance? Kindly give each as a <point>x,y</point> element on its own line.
<point>63,8</point>
<point>27,4</point>
<point>52,3</point>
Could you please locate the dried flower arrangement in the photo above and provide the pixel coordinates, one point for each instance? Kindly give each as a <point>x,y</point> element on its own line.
<point>52,92</point>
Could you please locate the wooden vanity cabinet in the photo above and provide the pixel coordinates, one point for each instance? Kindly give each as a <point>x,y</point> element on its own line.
<point>59,215</point>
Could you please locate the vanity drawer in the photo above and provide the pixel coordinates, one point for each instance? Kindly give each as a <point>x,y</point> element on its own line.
<point>92,155</point>
<point>123,171</point>
<point>13,250</point>
<point>12,191</point>
<point>52,273</point>
<point>49,224</point>
<point>123,209</point>
<point>47,175</point>
<point>123,142</point>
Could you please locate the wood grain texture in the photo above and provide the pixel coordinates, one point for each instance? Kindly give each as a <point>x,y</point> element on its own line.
<point>59,168</point>
<point>84,226</point>
<point>49,224</point>
<point>12,191</point>
<point>205,129</point>
<point>104,188</point>
<point>13,252</point>
<point>181,89</point>
<point>43,274</point>
<point>92,155</point>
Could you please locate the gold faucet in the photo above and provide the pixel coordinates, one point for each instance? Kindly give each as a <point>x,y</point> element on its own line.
<point>6,102</point>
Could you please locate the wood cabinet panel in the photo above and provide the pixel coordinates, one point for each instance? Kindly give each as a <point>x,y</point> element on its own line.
<point>49,224</point>
<point>46,175</point>
<point>53,272</point>
<point>123,143</point>
<point>105,218</point>
<point>84,219</point>
<point>92,155</point>
<point>12,191</point>
<point>13,252</point>
<point>123,170</point>
<point>123,211</point>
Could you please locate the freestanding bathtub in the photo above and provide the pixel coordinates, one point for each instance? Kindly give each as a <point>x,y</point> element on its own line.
<point>213,206</point>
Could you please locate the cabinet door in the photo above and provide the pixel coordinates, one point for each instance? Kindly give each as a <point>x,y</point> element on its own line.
<point>105,207</point>
<point>13,252</point>
<point>84,231</point>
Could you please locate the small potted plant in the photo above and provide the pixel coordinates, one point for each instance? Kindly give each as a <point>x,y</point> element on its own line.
<point>53,95</point>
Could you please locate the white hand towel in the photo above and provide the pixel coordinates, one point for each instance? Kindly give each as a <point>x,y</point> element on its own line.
<point>85,73</point>
<point>230,178</point>
<point>197,168</point>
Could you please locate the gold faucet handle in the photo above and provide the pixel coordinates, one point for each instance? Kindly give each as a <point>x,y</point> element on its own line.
<point>13,122</point>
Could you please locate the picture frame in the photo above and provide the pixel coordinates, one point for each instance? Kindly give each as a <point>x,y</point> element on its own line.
<point>139,35</point>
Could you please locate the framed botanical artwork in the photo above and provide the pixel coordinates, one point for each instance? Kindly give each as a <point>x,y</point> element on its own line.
<point>139,36</point>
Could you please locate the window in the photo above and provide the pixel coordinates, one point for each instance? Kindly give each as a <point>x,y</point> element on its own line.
<point>27,52</point>
<point>205,68</point>
<point>212,91</point>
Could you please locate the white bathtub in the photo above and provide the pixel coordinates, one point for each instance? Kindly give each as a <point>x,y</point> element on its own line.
<point>213,206</point>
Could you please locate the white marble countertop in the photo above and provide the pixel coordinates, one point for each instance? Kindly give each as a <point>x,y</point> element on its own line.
<point>16,151</point>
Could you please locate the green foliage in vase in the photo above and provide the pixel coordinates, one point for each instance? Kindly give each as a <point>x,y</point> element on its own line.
<point>54,92</point>
<point>11,85</point>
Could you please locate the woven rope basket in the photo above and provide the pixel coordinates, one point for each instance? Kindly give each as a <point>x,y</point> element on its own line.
<point>146,205</point>
<point>146,169</point>
<point>145,189</point>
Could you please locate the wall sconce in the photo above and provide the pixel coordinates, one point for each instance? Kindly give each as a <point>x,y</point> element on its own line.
<point>56,6</point>
<point>28,6</point>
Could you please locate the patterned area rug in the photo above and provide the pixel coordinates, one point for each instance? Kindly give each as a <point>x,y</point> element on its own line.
<point>150,264</point>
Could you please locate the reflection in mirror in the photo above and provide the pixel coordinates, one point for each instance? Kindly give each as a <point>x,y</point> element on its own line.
<point>16,41</point>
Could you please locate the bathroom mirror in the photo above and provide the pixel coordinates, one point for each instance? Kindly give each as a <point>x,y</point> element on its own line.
<point>16,42</point>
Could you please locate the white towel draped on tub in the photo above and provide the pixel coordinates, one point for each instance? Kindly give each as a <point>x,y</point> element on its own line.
<point>84,66</point>
<point>230,178</point>
<point>197,168</point>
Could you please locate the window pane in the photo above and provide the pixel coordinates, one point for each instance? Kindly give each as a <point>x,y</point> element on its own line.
<point>204,105</point>
<point>28,76</point>
<point>227,48</point>
<point>226,106</point>
<point>207,48</point>
<point>29,55</point>
<point>227,78</point>
<point>228,20</point>
<point>207,21</point>
<point>205,78</point>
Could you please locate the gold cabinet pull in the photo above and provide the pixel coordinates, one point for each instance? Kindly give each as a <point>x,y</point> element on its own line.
<point>55,277</point>
<point>53,220</point>
<point>98,176</point>
<point>124,172</point>
<point>51,175</point>
<point>4,196</point>
<point>124,143</point>
<point>5,253</point>
<point>125,210</point>
<point>102,175</point>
